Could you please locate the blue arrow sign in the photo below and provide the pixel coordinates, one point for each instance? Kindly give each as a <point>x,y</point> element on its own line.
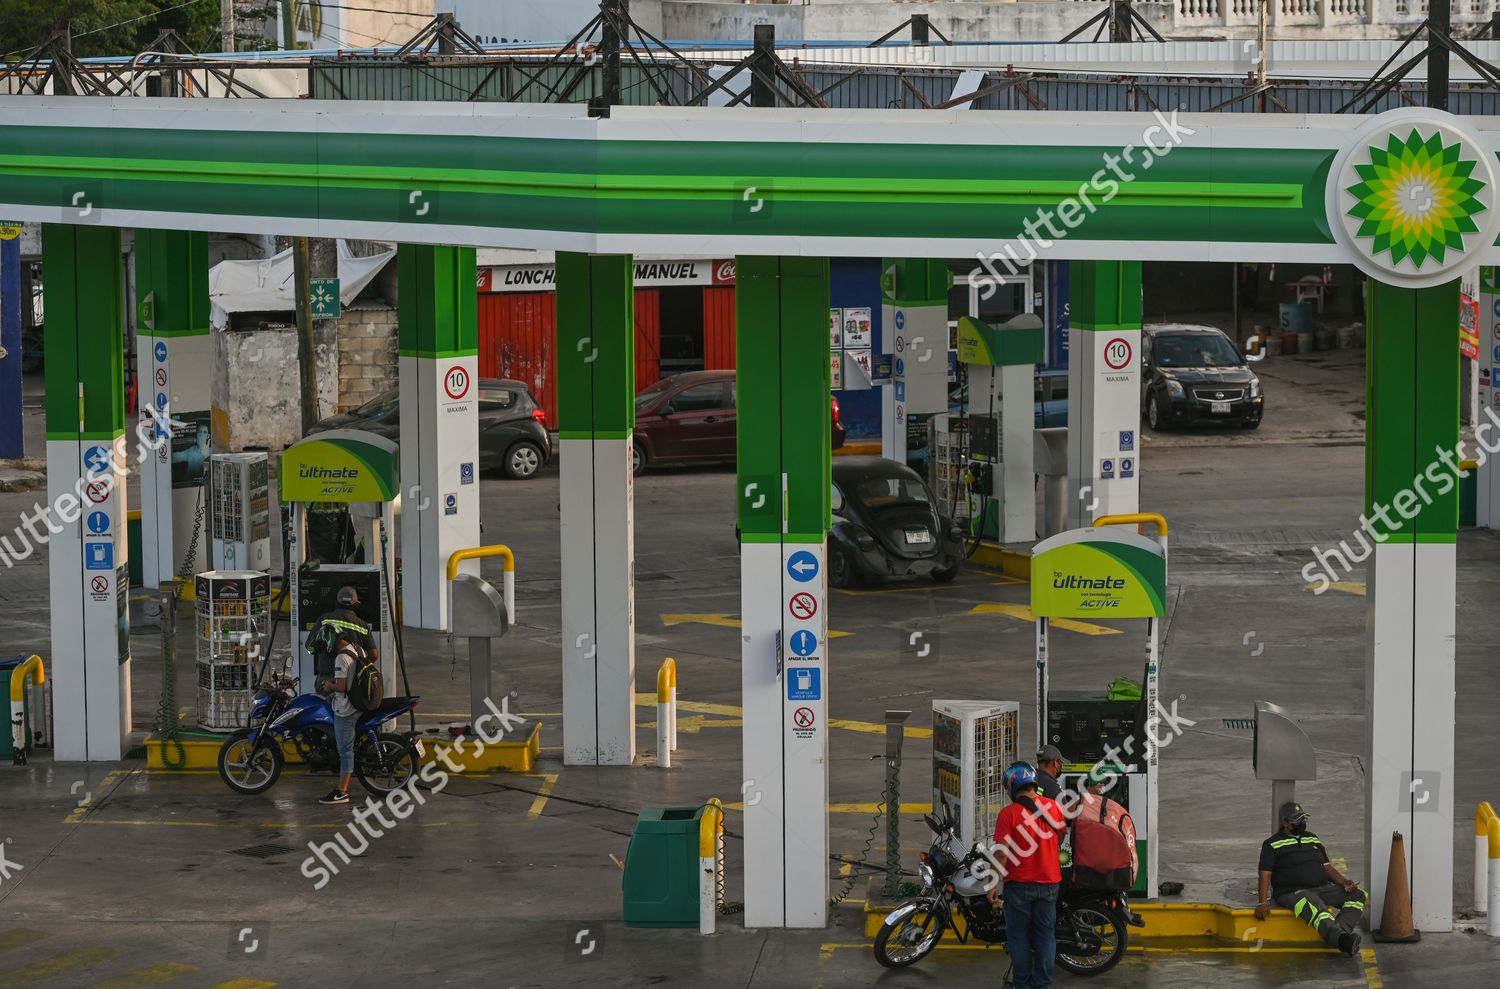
<point>804,643</point>
<point>802,566</point>
<point>96,459</point>
<point>160,351</point>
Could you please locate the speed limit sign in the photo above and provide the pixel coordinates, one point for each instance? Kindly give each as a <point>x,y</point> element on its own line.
<point>456,382</point>
<point>1117,353</point>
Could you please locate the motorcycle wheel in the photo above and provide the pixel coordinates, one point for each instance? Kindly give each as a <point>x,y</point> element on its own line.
<point>249,768</point>
<point>910,939</point>
<point>390,767</point>
<point>1108,925</point>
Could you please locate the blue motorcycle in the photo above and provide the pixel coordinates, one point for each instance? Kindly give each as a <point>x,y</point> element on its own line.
<point>251,759</point>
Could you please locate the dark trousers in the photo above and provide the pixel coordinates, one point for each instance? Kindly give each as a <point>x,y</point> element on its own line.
<point>1031,932</point>
<point>1315,907</point>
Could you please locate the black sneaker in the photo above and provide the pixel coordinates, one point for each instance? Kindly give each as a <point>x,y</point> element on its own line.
<point>1349,943</point>
<point>335,797</point>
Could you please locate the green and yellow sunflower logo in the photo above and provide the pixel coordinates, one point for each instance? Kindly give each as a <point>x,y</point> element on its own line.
<point>1417,198</point>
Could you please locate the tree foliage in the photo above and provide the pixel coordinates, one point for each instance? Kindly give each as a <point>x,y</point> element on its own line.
<point>106,27</point>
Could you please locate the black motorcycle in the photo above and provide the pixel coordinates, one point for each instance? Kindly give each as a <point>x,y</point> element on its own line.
<point>1092,924</point>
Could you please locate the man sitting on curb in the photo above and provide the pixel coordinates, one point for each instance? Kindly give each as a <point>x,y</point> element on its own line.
<point>1294,867</point>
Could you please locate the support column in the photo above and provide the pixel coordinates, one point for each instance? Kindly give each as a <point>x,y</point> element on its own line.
<point>595,357</point>
<point>1104,390</point>
<point>1412,502</point>
<point>1487,480</point>
<point>174,358</point>
<point>784,486</point>
<point>915,328</point>
<point>12,444</point>
<point>439,368</point>
<point>86,465</point>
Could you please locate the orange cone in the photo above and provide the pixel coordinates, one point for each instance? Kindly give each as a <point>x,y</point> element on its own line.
<point>1395,919</point>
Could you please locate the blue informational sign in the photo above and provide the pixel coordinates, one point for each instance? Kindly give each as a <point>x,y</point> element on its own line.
<point>450,505</point>
<point>96,459</point>
<point>1497,355</point>
<point>804,643</point>
<point>901,317</point>
<point>880,367</point>
<point>900,365</point>
<point>1127,439</point>
<point>1127,467</point>
<point>161,401</point>
<point>466,473</point>
<point>98,523</point>
<point>802,566</point>
<point>900,391</point>
<point>160,351</point>
<point>1106,470</point>
<point>1497,308</point>
<point>804,684</point>
<point>99,556</point>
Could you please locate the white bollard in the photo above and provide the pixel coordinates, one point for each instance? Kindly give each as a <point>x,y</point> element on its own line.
<point>1483,814</point>
<point>1492,925</point>
<point>664,735</point>
<point>710,863</point>
<point>673,704</point>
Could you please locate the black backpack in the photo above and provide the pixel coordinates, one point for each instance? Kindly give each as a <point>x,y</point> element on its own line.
<point>365,687</point>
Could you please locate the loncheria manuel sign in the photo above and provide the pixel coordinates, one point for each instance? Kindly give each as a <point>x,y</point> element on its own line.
<point>1414,197</point>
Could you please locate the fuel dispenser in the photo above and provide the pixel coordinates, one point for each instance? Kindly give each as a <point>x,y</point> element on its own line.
<point>1282,754</point>
<point>339,489</point>
<point>1002,367</point>
<point>1105,573</point>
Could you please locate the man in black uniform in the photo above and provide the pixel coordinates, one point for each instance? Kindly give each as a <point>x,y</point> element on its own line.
<point>1295,873</point>
<point>1049,762</point>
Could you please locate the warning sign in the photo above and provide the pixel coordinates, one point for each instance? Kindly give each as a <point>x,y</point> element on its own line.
<point>803,717</point>
<point>97,491</point>
<point>99,585</point>
<point>1117,353</point>
<point>803,605</point>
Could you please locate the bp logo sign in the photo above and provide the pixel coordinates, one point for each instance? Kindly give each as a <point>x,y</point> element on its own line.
<point>1415,198</point>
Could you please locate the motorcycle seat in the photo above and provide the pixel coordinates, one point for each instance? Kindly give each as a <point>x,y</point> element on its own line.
<point>388,704</point>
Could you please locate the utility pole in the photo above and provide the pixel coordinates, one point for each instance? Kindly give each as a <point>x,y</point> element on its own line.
<point>289,25</point>
<point>610,42</point>
<point>762,92</point>
<point>1439,20</point>
<point>1119,20</point>
<point>1260,54</point>
<point>226,24</point>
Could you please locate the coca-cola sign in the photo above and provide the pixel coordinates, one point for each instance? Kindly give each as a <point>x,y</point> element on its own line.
<point>724,272</point>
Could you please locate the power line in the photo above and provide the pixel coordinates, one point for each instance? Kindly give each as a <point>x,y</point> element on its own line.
<point>154,13</point>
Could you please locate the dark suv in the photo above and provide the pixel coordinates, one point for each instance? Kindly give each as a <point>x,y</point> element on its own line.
<point>1195,374</point>
<point>512,429</point>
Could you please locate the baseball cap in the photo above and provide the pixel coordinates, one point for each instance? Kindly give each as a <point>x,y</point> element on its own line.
<point>1047,753</point>
<point>1292,811</point>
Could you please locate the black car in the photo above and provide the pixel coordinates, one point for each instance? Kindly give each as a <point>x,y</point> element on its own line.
<point>1195,374</point>
<point>512,428</point>
<point>886,524</point>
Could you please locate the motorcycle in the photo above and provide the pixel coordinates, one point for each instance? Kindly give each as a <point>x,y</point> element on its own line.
<point>251,759</point>
<point>1092,924</point>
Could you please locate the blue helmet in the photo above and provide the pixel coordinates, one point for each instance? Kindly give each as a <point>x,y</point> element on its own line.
<point>1018,775</point>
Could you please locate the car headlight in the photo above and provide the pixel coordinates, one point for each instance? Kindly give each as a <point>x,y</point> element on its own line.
<point>1175,389</point>
<point>1255,388</point>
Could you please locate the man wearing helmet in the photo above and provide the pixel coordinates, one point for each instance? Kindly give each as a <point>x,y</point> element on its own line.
<point>345,621</point>
<point>1026,849</point>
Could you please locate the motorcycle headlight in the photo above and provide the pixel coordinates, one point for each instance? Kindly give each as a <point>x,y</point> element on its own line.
<point>1255,388</point>
<point>925,871</point>
<point>1175,389</point>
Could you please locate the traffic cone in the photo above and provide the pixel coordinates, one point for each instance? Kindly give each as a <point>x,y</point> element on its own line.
<point>1395,919</point>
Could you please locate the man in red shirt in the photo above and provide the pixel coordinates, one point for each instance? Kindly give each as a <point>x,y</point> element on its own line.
<point>1026,849</point>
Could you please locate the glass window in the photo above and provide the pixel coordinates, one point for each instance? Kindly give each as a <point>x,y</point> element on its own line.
<point>882,491</point>
<point>496,400</point>
<point>838,499</point>
<point>383,402</point>
<point>1195,350</point>
<point>652,393</point>
<point>699,398</point>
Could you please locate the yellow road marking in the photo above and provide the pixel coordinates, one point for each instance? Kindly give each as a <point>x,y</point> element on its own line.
<point>694,723</point>
<point>827,950</point>
<point>142,978</point>
<point>77,816</point>
<point>720,619</point>
<point>1023,613</point>
<point>1372,971</point>
<point>549,780</point>
<point>51,968</point>
<point>730,711</point>
<point>19,938</point>
<point>245,984</point>
<point>1346,586</point>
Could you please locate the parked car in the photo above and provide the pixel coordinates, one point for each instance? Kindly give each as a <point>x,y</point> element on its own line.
<point>886,524</point>
<point>1195,374</point>
<point>689,418</point>
<point>512,428</point>
<point>1050,408</point>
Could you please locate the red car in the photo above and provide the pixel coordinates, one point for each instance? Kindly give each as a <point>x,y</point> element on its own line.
<point>689,418</point>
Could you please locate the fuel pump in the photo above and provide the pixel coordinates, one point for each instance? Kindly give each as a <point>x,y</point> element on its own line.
<point>1002,367</point>
<point>341,487</point>
<point>1105,573</point>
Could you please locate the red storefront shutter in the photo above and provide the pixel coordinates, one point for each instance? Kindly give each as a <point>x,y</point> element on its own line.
<point>647,337</point>
<point>516,331</point>
<point>718,328</point>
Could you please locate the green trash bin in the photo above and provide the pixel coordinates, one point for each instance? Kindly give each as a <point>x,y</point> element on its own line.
<point>661,868</point>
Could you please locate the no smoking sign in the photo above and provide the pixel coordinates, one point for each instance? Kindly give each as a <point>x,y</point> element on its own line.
<point>803,605</point>
<point>99,585</point>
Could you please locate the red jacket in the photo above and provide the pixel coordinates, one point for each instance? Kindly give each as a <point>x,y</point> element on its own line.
<point>1026,845</point>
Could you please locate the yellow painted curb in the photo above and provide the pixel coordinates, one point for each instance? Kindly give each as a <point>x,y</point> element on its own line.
<point>1007,561</point>
<point>1184,920</point>
<point>858,450</point>
<point>201,754</point>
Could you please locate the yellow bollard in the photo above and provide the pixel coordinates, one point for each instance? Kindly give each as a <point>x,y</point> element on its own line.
<point>1483,815</point>
<point>666,712</point>
<point>710,864</point>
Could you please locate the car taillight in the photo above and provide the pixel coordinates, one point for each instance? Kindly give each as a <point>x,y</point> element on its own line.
<point>540,416</point>
<point>836,411</point>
